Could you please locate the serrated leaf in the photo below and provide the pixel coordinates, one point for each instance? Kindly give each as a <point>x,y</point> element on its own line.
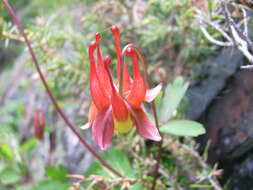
<point>183,128</point>
<point>172,97</point>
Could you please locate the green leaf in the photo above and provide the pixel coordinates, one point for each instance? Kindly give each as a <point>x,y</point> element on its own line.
<point>158,98</point>
<point>118,160</point>
<point>6,152</point>
<point>57,172</point>
<point>47,184</point>
<point>137,186</point>
<point>172,96</point>
<point>1,25</point>
<point>29,144</point>
<point>183,128</point>
<point>9,176</point>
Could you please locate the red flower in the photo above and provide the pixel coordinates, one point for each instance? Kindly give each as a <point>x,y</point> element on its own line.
<point>114,109</point>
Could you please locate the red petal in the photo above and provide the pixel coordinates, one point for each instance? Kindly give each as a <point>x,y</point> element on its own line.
<point>98,94</point>
<point>152,93</point>
<point>91,116</point>
<point>119,108</point>
<point>102,128</point>
<point>103,76</point>
<point>92,113</point>
<point>145,126</point>
<point>138,90</point>
<point>126,77</point>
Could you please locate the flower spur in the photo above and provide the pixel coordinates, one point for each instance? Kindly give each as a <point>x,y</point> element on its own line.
<point>118,109</point>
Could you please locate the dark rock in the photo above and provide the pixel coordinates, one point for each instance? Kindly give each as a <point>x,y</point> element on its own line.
<point>223,102</point>
<point>229,119</point>
<point>243,177</point>
<point>216,71</point>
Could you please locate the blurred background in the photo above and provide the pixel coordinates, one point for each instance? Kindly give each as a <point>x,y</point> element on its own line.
<point>169,34</point>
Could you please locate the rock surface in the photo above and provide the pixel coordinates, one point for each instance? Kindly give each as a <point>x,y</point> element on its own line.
<point>215,71</point>
<point>223,102</point>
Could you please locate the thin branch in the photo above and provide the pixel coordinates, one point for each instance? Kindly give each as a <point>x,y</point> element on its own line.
<point>243,43</point>
<point>247,67</point>
<point>52,98</point>
<point>245,22</point>
<point>94,179</point>
<point>215,26</point>
<point>202,163</point>
<point>236,38</point>
<point>214,41</point>
<point>12,36</point>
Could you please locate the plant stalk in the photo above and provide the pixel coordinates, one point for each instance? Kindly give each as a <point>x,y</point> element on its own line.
<point>153,106</point>
<point>52,98</point>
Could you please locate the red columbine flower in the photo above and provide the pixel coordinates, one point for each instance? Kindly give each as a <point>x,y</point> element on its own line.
<point>118,108</point>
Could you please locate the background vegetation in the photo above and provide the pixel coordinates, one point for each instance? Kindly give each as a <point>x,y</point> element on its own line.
<point>167,32</point>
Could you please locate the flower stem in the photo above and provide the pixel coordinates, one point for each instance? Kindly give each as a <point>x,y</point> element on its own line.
<point>153,106</point>
<point>52,98</point>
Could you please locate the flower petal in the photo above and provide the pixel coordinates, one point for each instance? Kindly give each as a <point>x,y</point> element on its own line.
<point>138,90</point>
<point>103,76</point>
<point>85,126</point>
<point>91,116</point>
<point>102,128</point>
<point>145,126</point>
<point>119,108</point>
<point>98,94</point>
<point>92,113</point>
<point>126,77</point>
<point>152,93</point>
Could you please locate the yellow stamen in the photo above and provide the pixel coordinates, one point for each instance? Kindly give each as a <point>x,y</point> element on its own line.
<point>123,127</point>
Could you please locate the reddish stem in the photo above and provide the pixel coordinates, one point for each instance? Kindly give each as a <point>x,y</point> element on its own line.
<point>56,105</point>
<point>153,106</point>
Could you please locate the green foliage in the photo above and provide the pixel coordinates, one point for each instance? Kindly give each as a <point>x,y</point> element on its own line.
<point>9,176</point>
<point>183,128</point>
<point>118,159</point>
<point>6,152</point>
<point>47,184</point>
<point>30,144</point>
<point>57,172</point>
<point>172,97</point>
<point>1,26</point>
<point>165,29</point>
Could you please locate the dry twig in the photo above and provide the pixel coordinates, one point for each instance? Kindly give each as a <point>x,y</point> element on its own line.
<point>235,36</point>
<point>96,179</point>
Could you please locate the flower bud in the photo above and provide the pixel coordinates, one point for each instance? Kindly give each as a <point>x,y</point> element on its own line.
<point>39,124</point>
